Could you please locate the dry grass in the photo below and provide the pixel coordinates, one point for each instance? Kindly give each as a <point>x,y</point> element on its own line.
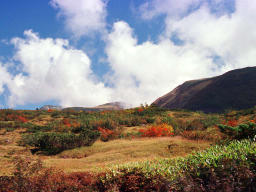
<point>9,149</point>
<point>43,119</point>
<point>103,155</point>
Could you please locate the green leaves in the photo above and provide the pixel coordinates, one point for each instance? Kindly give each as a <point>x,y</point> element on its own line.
<point>242,131</point>
<point>53,143</point>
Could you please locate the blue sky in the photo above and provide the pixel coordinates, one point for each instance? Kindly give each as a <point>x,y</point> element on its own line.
<point>88,52</point>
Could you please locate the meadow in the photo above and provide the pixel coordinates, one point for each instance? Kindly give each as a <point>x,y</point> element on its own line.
<point>140,149</point>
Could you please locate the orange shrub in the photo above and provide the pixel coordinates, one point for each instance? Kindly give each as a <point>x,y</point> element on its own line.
<point>157,131</point>
<point>66,122</point>
<point>140,109</point>
<point>232,123</point>
<point>15,117</point>
<point>22,119</point>
<point>105,134</point>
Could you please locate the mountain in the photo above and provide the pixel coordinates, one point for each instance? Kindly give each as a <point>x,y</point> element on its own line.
<point>50,107</point>
<point>104,107</point>
<point>235,89</point>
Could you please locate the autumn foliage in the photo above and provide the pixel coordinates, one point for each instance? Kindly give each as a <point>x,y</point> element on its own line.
<point>232,123</point>
<point>105,134</point>
<point>157,131</point>
<point>16,117</point>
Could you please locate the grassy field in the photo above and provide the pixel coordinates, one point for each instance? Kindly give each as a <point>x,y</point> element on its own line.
<point>106,154</point>
<point>100,155</point>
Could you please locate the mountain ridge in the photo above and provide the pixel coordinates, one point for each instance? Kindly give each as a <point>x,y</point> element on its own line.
<point>234,89</point>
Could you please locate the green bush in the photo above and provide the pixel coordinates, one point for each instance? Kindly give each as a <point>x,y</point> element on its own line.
<point>242,131</point>
<point>54,143</point>
<point>31,128</point>
<point>215,169</point>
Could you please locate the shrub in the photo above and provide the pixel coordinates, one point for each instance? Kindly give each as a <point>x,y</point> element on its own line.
<point>157,131</point>
<point>31,128</point>
<point>53,143</point>
<point>241,131</point>
<point>229,167</point>
<point>195,124</point>
<point>31,176</point>
<point>219,168</point>
<point>131,180</point>
<point>210,120</point>
<point>105,134</point>
<point>211,134</point>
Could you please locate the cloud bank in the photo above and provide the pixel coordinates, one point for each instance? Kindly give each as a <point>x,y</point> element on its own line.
<point>53,70</point>
<point>212,43</point>
<point>142,72</point>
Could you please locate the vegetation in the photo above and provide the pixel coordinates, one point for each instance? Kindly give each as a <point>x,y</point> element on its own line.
<point>241,131</point>
<point>53,143</point>
<point>155,150</point>
<point>219,168</point>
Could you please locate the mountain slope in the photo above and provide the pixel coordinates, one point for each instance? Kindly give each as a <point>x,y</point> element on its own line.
<point>235,89</point>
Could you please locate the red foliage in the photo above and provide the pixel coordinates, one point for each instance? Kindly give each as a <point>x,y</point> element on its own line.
<point>76,124</point>
<point>66,122</point>
<point>105,134</point>
<point>232,123</point>
<point>22,119</point>
<point>15,117</point>
<point>157,131</point>
<point>140,109</point>
<point>49,181</point>
<point>50,110</point>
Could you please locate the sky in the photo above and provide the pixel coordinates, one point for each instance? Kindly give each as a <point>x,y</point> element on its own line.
<point>90,52</point>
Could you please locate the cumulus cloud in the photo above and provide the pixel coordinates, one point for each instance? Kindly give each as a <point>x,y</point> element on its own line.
<point>82,17</point>
<point>231,37</point>
<point>52,70</point>
<point>142,72</point>
<point>213,44</point>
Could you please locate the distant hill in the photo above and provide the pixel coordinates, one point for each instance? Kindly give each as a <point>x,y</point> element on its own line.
<point>104,107</point>
<point>51,107</point>
<point>235,89</point>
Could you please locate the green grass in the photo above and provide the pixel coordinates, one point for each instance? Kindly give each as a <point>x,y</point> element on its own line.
<point>241,153</point>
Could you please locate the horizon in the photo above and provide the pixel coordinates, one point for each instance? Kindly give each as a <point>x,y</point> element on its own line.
<point>89,53</point>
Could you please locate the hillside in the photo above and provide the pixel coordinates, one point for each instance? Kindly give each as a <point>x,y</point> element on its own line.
<point>235,89</point>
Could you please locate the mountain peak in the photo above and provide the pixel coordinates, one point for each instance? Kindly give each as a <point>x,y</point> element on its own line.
<point>235,89</point>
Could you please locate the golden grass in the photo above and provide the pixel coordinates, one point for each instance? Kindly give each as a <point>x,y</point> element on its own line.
<point>101,155</point>
<point>9,149</point>
<point>106,154</point>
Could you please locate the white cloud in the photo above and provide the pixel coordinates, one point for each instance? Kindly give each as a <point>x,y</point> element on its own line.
<point>142,72</point>
<point>82,17</point>
<point>173,8</point>
<point>52,70</point>
<point>232,37</point>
